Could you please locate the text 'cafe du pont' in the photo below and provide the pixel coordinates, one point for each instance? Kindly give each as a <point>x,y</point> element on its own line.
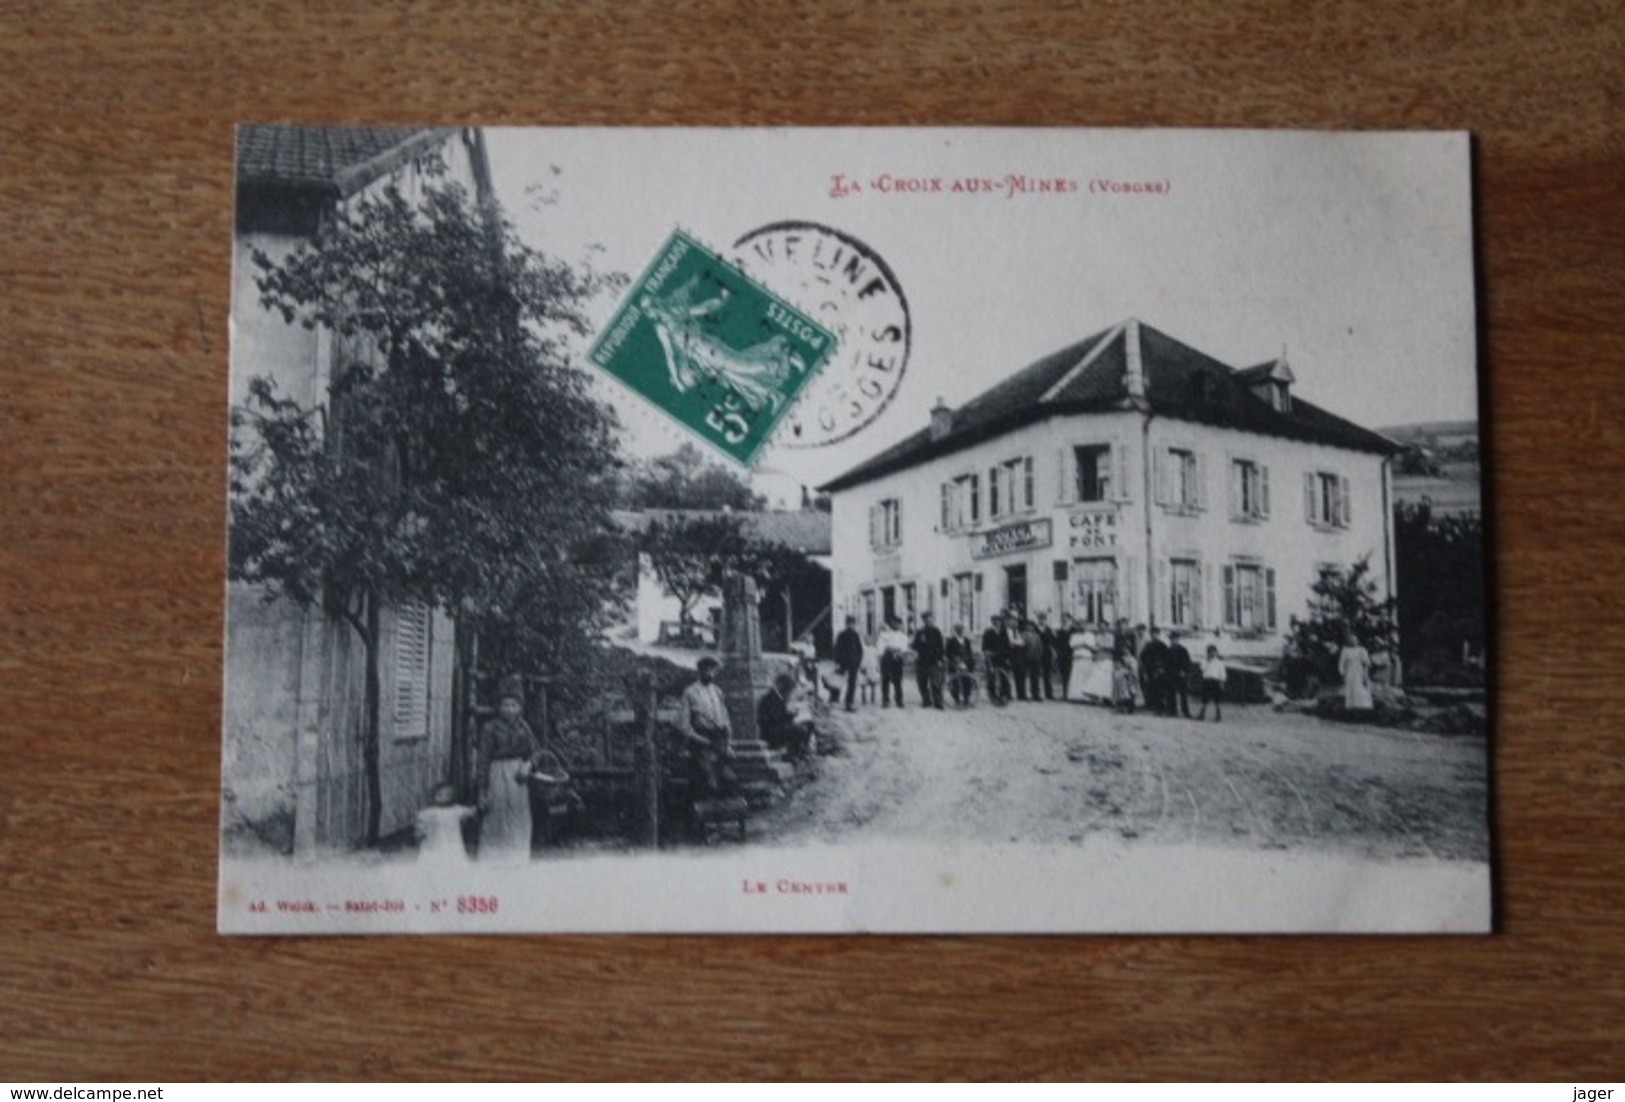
<point>1128,475</point>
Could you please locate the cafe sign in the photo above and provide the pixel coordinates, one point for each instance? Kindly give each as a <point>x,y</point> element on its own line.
<point>1091,530</point>
<point>1023,536</point>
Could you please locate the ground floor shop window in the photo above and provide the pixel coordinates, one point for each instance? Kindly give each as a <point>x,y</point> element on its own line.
<point>1185,593</point>
<point>1094,591</point>
<point>1249,597</point>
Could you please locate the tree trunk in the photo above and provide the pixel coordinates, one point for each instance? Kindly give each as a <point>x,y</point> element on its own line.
<point>370,735</point>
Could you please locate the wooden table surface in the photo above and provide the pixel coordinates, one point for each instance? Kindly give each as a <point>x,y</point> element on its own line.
<point>115,210</point>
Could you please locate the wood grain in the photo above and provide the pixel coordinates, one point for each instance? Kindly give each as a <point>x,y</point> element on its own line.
<point>115,201</point>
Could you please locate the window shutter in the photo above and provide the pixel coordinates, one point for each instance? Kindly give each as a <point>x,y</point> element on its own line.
<point>1230,617</point>
<point>1027,478</point>
<point>993,491</point>
<point>1263,490</point>
<point>947,493</point>
<point>411,671</point>
<point>1235,489</point>
<point>1269,597</point>
<point>1344,516</point>
<point>1126,604</point>
<point>1201,482</point>
<point>1066,477</point>
<point>1164,586</point>
<point>1160,462</point>
<point>1123,493</point>
<point>897,521</point>
<point>975,498</point>
<point>1199,595</point>
<point>1309,497</point>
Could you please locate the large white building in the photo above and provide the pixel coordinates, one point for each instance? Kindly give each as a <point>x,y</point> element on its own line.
<point>1126,475</point>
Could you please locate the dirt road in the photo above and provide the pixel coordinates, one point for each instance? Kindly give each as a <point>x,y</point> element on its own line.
<point>1059,772</point>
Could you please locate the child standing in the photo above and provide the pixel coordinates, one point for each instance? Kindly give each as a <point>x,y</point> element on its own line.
<point>1124,681</point>
<point>1213,677</point>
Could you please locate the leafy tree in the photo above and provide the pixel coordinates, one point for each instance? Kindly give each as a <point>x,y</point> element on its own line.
<point>685,479</point>
<point>458,462</point>
<point>1440,562</point>
<point>1342,601</point>
<point>690,554</point>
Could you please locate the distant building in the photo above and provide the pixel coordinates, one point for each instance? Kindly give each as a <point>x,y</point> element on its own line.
<point>295,677</point>
<point>1127,475</point>
<point>802,609</point>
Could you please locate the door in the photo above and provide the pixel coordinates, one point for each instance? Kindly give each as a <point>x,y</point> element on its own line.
<point>1015,588</point>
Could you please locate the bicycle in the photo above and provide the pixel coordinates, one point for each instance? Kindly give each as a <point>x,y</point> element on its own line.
<point>963,686</point>
<point>1001,688</point>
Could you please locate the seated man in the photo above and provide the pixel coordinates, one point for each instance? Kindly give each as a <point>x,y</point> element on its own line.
<point>778,723</point>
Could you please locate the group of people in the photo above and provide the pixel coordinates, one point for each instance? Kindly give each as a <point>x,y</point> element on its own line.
<point>1024,658</point>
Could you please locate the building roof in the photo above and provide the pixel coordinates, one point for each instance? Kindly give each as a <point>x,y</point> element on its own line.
<point>807,531</point>
<point>1167,377</point>
<point>338,160</point>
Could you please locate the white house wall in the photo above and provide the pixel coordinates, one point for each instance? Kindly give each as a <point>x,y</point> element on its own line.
<point>1284,542</point>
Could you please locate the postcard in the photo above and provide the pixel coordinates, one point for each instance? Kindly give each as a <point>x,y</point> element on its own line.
<point>853,530</point>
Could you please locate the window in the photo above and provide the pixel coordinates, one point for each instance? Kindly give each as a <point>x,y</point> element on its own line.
<point>1185,593</point>
<point>888,603</point>
<point>1326,499</point>
<point>1010,487</point>
<point>1094,472</point>
<point>1249,490</point>
<point>869,613</point>
<point>412,630</point>
<point>1094,591</point>
<point>1178,480</point>
<point>961,502</point>
<point>910,606</point>
<point>965,604</point>
<point>1249,597</point>
<point>886,523</point>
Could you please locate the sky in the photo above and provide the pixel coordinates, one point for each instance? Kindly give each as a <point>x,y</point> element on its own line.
<point>1350,252</point>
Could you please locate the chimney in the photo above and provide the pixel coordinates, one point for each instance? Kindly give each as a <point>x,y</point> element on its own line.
<point>942,420</point>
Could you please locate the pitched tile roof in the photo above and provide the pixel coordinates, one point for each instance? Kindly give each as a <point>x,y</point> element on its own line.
<point>1090,376</point>
<point>338,160</point>
<point>807,531</point>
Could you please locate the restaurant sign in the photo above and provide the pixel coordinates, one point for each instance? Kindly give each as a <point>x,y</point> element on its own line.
<point>1093,529</point>
<point>1023,536</point>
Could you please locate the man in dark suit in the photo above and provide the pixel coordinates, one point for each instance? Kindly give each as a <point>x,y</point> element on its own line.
<point>1046,659</point>
<point>961,660</point>
<point>995,656</point>
<point>928,654</point>
<point>849,658</point>
<point>1154,673</point>
<point>777,722</point>
<point>1179,675</point>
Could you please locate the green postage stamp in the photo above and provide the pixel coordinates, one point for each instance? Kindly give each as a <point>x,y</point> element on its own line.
<point>716,351</point>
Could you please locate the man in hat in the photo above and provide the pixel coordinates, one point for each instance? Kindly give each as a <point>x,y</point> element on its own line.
<point>705,729</point>
<point>996,656</point>
<point>849,658</point>
<point>780,727</point>
<point>928,655</point>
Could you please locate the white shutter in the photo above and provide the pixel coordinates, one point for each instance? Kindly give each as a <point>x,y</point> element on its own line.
<point>1229,611</point>
<point>1343,514</point>
<point>1263,490</point>
<point>411,671</point>
<point>947,520</point>
<point>1120,451</point>
<point>1160,462</point>
<point>1200,475</point>
<point>1066,474</point>
<point>1199,580</point>
<point>1127,590</point>
<point>1164,586</point>
<point>1235,489</point>
<point>1309,497</point>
